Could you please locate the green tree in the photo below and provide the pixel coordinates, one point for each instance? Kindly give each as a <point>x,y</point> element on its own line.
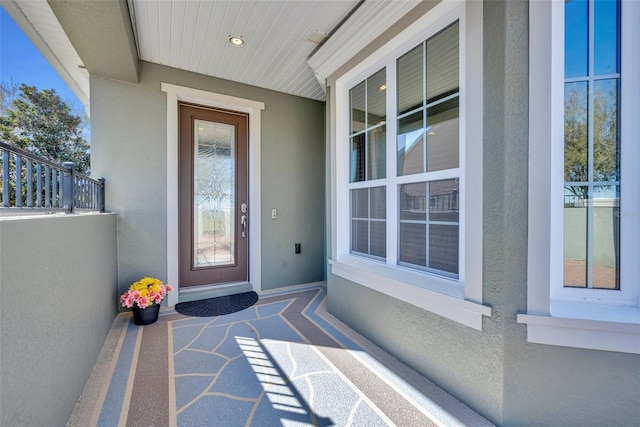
<point>40,122</point>
<point>605,136</point>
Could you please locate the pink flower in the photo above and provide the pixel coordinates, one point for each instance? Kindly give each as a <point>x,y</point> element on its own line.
<point>127,300</point>
<point>153,290</point>
<point>143,302</point>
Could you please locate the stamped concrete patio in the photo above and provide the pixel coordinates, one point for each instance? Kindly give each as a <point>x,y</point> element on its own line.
<point>283,362</point>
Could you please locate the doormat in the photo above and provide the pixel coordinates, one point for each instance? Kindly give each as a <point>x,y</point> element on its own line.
<point>217,306</point>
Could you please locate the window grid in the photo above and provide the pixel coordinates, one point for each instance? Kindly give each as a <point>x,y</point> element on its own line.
<point>361,167</point>
<point>373,218</point>
<point>425,175</point>
<point>590,80</point>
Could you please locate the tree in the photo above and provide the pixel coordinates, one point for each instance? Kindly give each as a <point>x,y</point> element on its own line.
<point>605,136</point>
<point>40,122</point>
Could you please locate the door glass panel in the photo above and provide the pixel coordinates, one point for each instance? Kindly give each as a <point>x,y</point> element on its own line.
<point>214,194</point>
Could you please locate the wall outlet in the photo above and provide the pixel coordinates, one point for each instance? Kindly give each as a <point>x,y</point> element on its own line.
<point>274,213</point>
<point>297,248</point>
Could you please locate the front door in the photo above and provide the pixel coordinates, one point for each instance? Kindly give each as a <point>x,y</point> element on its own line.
<point>213,196</point>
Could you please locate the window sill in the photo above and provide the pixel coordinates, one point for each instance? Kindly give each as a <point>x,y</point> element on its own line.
<point>613,329</point>
<point>412,289</point>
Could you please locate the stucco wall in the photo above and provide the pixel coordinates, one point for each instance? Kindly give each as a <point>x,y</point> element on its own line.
<point>57,303</point>
<point>129,146</point>
<point>496,372</point>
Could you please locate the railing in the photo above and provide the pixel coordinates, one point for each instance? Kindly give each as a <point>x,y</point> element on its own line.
<point>33,184</point>
<point>447,202</point>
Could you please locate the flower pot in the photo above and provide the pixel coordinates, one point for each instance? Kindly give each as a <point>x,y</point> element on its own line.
<point>145,316</point>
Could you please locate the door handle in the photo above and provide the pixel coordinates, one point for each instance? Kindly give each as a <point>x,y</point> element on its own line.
<point>243,222</point>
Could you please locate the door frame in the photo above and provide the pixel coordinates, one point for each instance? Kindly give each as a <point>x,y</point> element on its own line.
<point>211,99</point>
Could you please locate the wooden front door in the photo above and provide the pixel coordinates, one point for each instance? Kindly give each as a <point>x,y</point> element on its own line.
<point>213,196</point>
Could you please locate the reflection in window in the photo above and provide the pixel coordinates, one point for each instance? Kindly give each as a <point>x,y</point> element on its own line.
<point>368,221</point>
<point>592,145</point>
<point>429,226</point>
<point>428,97</point>
<point>368,128</point>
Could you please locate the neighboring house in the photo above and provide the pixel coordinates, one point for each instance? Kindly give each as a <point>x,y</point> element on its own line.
<point>445,246</point>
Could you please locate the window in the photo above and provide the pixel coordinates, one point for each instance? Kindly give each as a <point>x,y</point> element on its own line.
<point>592,145</point>
<point>403,121</point>
<point>368,165</point>
<point>585,163</point>
<point>428,141</point>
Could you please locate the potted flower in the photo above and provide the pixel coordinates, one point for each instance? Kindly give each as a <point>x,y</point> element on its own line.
<point>144,297</point>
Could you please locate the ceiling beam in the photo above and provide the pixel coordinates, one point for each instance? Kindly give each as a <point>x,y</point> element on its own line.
<point>101,33</point>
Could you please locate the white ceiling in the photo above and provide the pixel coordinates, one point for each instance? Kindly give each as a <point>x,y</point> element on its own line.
<point>193,35</point>
<point>282,50</point>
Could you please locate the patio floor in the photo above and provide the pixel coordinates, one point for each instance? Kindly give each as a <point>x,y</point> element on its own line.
<point>283,362</point>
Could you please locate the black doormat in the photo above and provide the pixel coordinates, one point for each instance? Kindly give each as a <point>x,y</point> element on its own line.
<point>217,306</point>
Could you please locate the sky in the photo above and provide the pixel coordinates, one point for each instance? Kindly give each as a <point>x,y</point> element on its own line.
<point>21,61</point>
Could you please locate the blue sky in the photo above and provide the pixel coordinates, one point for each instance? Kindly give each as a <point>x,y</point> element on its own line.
<point>21,61</point>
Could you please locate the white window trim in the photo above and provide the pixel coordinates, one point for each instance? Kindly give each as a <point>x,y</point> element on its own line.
<point>459,300</point>
<point>253,108</point>
<point>567,317</point>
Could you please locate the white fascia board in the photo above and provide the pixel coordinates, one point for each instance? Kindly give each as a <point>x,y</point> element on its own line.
<point>368,21</point>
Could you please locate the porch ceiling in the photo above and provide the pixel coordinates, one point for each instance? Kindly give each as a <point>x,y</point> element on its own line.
<point>279,36</point>
<point>284,47</point>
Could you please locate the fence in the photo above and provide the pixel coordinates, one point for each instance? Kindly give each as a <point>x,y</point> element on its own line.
<point>33,184</point>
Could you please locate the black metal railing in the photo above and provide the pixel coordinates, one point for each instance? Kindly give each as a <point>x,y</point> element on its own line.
<point>33,184</point>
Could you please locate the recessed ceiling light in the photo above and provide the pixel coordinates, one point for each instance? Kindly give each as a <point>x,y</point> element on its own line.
<point>236,41</point>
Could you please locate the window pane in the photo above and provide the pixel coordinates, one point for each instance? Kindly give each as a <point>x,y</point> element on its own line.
<point>606,43</point>
<point>413,201</point>
<point>605,129</point>
<point>378,197</point>
<point>442,63</point>
<point>357,99</point>
<point>413,247</point>
<point>376,98</point>
<point>378,238</point>
<point>576,38</point>
<point>575,236</point>
<point>360,203</point>
<point>377,153</point>
<point>444,200</point>
<point>214,194</point>
<point>360,236</point>
<point>368,225</point>
<point>358,151</point>
<point>443,135</point>
<point>410,80</point>
<point>606,237</point>
<point>443,247</point>
<point>411,144</point>
<point>576,147</point>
